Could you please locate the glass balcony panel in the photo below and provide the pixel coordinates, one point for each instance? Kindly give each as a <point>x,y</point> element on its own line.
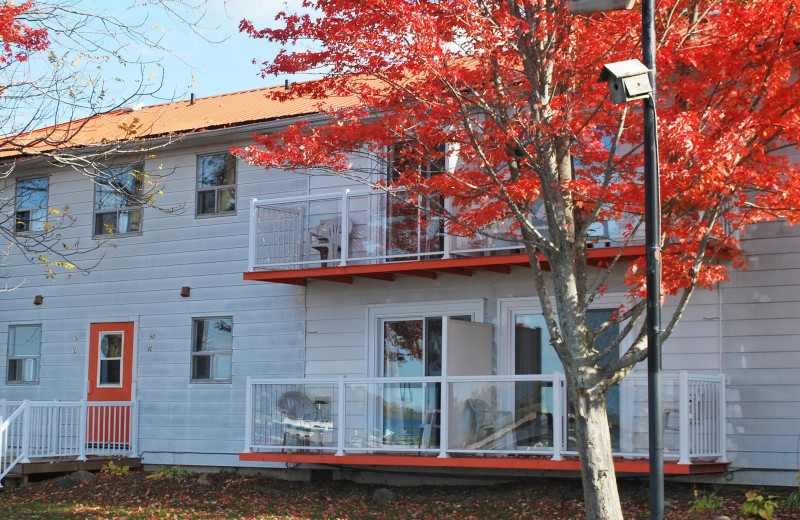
<point>392,416</point>
<point>294,416</point>
<point>501,416</point>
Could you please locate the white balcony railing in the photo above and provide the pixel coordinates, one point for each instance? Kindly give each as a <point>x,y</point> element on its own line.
<point>77,429</point>
<point>477,415</point>
<point>365,227</point>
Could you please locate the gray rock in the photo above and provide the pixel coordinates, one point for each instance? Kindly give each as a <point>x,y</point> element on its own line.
<point>65,482</point>
<point>81,476</point>
<point>722,518</point>
<point>383,496</point>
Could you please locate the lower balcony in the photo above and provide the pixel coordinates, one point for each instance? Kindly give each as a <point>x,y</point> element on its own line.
<point>521,422</point>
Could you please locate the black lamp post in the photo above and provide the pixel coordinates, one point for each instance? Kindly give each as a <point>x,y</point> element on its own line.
<point>627,82</point>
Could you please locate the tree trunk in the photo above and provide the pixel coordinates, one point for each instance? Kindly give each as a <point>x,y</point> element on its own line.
<point>601,495</point>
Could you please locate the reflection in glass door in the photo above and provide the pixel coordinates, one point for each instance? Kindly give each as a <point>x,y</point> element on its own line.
<point>411,348</point>
<point>533,354</point>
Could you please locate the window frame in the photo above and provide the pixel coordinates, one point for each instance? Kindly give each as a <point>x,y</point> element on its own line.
<point>16,357</point>
<point>18,208</point>
<point>377,315</point>
<point>101,182</point>
<point>215,189</point>
<point>195,353</point>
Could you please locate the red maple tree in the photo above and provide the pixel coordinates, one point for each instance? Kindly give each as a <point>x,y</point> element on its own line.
<point>511,87</point>
<point>16,38</point>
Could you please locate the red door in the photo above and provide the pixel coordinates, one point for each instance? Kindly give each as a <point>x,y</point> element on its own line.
<point>110,383</point>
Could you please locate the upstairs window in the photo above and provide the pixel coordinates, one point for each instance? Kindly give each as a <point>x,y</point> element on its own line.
<point>212,345</point>
<point>216,184</point>
<point>118,200</point>
<point>31,204</point>
<point>24,350</point>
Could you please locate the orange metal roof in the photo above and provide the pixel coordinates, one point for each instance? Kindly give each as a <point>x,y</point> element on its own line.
<point>178,117</point>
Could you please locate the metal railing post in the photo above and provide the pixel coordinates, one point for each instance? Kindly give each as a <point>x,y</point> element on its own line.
<point>341,418</point>
<point>134,426</point>
<point>251,255</point>
<point>345,238</point>
<point>26,431</point>
<point>248,416</point>
<point>82,429</point>
<point>723,418</point>
<point>558,418</point>
<point>444,419</point>
<point>684,433</point>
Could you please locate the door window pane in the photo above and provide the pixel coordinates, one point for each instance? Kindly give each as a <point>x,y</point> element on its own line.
<point>110,359</point>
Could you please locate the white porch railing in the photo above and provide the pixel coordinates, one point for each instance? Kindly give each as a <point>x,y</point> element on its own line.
<point>477,415</point>
<point>358,227</point>
<point>77,429</point>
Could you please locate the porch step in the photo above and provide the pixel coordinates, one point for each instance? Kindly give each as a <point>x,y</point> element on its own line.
<point>19,475</point>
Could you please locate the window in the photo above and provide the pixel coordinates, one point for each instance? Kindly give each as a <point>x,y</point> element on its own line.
<point>31,204</point>
<point>212,344</point>
<point>118,200</point>
<point>24,349</point>
<point>414,227</point>
<point>216,184</point>
<point>109,364</point>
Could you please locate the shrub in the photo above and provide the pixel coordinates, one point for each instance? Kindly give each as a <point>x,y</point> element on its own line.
<point>704,502</point>
<point>113,469</point>
<point>758,506</point>
<point>172,472</point>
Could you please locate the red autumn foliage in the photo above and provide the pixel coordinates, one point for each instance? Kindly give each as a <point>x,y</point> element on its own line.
<point>536,151</point>
<point>467,72</point>
<point>16,38</point>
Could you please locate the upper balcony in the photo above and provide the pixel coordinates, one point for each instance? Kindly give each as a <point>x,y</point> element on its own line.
<point>373,234</point>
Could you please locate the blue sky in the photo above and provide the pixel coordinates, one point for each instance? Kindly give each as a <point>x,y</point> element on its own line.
<point>206,68</point>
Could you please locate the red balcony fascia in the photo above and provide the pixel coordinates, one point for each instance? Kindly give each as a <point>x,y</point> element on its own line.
<point>463,266</point>
<point>632,466</point>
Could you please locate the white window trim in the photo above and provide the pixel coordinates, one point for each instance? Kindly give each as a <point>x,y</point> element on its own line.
<point>17,208</point>
<point>121,383</point>
<point>508,308</point>
<point>193,354</point>
<point>37,357</point>
<point>394,311</point>
<point>215,189</point>
<point>140,166</point>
